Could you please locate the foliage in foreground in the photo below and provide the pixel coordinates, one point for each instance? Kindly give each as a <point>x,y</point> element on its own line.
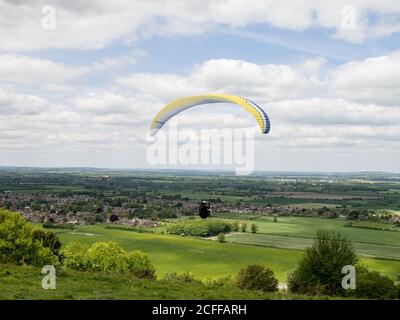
<point>257,277</point>
<point>24,282</point>
<point>319,271</point>
<point>21,243</point>
<point>107,257</point>
<point>373,285</point>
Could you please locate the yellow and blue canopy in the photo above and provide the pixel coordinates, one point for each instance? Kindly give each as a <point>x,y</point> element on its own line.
<point>179,105</point>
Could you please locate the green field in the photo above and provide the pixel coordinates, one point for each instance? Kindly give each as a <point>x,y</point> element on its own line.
<point>300,243</point>
<point>307,227</point>
<point>203,258</point>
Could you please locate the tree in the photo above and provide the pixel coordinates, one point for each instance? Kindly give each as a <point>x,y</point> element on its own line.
<point>139,265</point>
<point>75,256</point>
<point>319,270</point>
<point>18,244</point>
<point>106,256</point>
<point>114,218</point>
<point>253,228</point>
<point>243,227</point>
<point>221,237</point>
<point>257,277</point>
<point>49,240</point>
<point>275,218</point>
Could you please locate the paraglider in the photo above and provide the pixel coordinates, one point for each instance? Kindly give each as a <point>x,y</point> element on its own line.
<point>204,210</point>
<point>179,105</point>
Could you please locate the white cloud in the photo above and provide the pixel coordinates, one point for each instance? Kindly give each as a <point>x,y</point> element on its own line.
<point>96,24</point>
<point>374,79</point>
<point>22,70</point>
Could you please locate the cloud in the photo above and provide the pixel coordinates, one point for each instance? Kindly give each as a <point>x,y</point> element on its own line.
<point>222,75</point>
<point>373,79</point>
<point>97,24</point>
<point>20,70</point>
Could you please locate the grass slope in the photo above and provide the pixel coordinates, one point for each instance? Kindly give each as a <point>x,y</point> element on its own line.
<point>24,282</point>
<point>203,258</point>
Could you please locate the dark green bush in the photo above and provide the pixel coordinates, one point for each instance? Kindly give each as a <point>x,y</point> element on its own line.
<point>373,285</point>
<point>48,239</point>
<point>257,277</point>
<point>320,269</point>
<point>196,228</point>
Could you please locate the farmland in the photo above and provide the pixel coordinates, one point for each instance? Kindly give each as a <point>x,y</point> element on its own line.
<point>207,258</point>
<point>287,211</point>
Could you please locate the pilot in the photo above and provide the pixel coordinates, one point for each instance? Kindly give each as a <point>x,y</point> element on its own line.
<point>204,210</point>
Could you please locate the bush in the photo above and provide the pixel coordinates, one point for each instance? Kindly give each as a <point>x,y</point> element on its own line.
<point>48,240</point>
<point>139,265</point>
<point>373,285</point>
<point>221,282</point>
<point>75,256</point>
<point>185,277</point>
<point>18,245</point>
<point>198,228</point>
<point>256,277</point>
<point>319,270</point>
<point>221,237</point>
<point>235,226</point>
<point>253,228</point>
<point>106,256</point>
<point>243,227</point>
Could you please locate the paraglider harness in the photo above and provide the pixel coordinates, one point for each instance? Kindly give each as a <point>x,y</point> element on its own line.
<point>204,209</point>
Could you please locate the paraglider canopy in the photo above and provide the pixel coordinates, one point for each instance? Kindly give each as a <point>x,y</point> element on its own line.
<point>179,105</point>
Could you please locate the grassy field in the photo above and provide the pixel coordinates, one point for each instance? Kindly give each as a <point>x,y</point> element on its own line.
<point>307,227</point>
<point>24,282</point>
<point>203,258</point>
<point>300,243</point>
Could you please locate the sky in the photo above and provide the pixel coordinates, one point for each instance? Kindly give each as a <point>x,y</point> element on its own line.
<point>80,81</point>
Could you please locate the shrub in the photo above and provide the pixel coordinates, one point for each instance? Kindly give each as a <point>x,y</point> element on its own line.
<point>221,237</point>
<point>18,245</point>
<point>48,240</point>
<point>139,265</point>
<point>373,285</point>
<point>253,228</point>
<point>106,256</point>
<point>319,270</point>
<point>235,226</point>
<point>185,277</point>
<point>243,227</point>
<point>257,277</point>
<point>221,282</point>
<point>198,228</point>
<point>75,256</point>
